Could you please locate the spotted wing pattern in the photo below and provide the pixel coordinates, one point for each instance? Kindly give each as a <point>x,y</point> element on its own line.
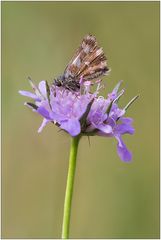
<point>89,61</point>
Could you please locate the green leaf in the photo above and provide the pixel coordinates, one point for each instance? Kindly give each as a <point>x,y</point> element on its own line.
<point>32,105</point>
<point>109,107</point>
<point>84,116</point>
<point>48,93</point>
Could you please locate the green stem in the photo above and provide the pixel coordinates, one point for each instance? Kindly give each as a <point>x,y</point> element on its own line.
<point>69,187</point>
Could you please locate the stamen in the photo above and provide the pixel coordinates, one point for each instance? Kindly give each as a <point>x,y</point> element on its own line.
<point>35,88</point>
<point>129,104</point>
<point>119,95</point>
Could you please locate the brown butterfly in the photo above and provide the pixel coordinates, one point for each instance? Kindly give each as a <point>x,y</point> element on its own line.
<point>89,62</point>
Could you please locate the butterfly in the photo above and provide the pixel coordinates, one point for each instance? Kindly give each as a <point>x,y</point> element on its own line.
<point>89,62</point>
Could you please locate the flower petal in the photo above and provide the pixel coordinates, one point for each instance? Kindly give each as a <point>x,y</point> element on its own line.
<point>122,150</point>
<point>29,94</point>
<point>56,116</point>
<point>72,126</point>
<point>126,120</point>
<point>42,88</point>
<point>42,111</point>
<point>124,128</point>
<point>104,128</point>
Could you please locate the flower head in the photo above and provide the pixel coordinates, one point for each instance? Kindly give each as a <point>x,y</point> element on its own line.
<point>83,112</point>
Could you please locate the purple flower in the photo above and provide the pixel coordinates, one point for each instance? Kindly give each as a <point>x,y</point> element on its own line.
<point>83,112</point>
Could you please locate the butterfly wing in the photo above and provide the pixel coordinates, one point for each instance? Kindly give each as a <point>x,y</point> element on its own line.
<point>89,61</point>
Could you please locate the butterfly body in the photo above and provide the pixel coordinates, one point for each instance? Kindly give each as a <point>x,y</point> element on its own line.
<point>69,83</point>
<point>88,63</point>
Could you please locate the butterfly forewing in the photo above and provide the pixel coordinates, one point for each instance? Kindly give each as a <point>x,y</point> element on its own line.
<point>89,61</point>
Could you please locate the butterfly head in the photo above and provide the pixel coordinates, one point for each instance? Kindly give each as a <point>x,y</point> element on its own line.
<point>59,81</point>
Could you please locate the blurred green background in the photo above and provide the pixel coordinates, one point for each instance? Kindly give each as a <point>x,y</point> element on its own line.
<point>112,199</point>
